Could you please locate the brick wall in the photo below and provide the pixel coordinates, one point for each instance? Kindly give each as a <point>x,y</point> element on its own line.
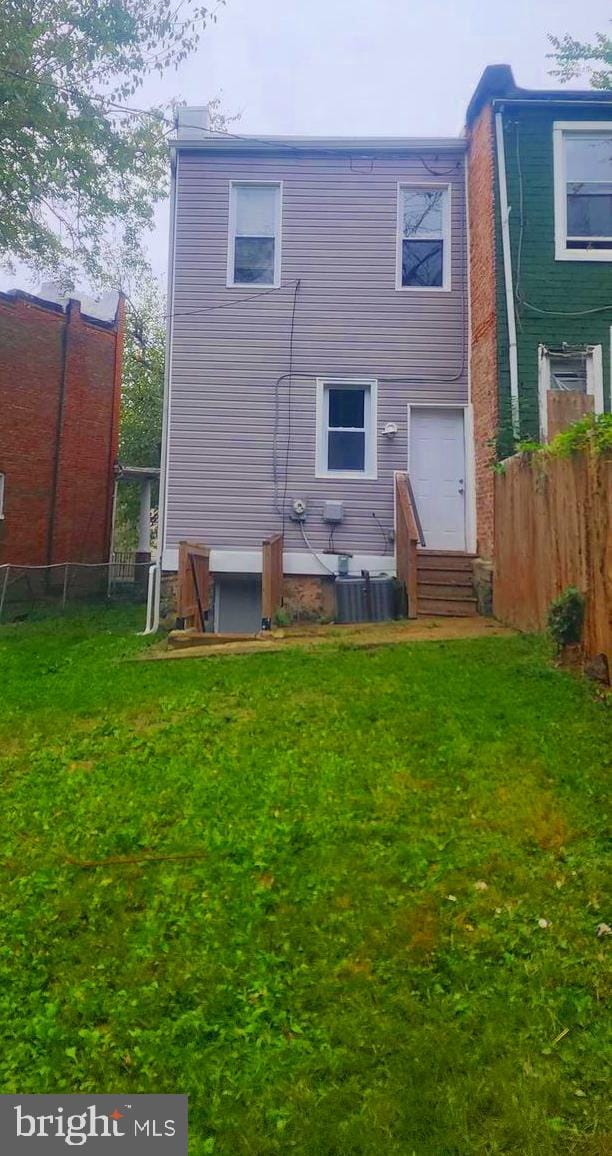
<point>481,194</point>
<point>60,381</point>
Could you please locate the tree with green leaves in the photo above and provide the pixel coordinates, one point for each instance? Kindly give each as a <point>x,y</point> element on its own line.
<point>142,393</point>
<point>80,162</point>
<point>574,58</point>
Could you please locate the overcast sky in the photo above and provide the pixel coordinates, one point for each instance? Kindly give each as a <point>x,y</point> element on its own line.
<point>379,67</point>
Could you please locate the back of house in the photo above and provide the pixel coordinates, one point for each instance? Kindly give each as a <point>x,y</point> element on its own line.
<point>318,346</point>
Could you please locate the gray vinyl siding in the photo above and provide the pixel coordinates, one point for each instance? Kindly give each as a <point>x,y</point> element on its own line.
<point>339,219</point>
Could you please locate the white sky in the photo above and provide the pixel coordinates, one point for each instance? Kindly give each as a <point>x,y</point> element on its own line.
<point>378,67</point>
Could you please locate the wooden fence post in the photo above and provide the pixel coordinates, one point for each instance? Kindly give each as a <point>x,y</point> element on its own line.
<point>271,579</point>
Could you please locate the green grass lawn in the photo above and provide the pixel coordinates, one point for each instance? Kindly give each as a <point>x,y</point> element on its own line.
<point>387,941</point>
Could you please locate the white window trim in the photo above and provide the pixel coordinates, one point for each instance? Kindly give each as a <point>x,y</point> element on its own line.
<point>594,382</point>
<point>370,473</point>
<point>562,128</point>
<point>231,237</point>
<point>445,287</point>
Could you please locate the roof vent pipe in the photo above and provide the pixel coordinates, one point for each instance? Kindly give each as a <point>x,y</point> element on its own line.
<point>192,123</point>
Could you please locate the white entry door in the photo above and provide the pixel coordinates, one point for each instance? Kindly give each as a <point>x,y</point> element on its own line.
<point>437,471</point>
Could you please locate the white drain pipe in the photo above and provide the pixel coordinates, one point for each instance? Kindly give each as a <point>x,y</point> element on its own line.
<point>508,281</point>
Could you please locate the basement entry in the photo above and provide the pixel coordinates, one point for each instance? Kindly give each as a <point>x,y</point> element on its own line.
<point>237,608</point>
<point>436,464</point>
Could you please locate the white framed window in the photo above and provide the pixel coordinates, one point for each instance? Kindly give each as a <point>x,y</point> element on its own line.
<point>346,428</point>
<point>582,153</point>
<point>254,234</point>
<point>569,368</point>
<point>423,237</point>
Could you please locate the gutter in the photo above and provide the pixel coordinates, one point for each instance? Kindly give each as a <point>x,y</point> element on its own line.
<point>155,571</point>
<point>508,280</point>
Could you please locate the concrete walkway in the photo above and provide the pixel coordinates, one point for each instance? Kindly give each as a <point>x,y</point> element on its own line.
<point>355,635</point>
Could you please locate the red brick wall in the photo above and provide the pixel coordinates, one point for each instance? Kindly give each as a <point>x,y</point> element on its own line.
<point>57,455</point>
<point>481,194</point>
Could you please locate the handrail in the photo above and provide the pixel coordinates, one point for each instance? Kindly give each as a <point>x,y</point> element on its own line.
<point>408,534</point>
<point>415,510</point>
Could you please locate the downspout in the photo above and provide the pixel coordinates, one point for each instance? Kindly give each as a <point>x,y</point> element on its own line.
<point>58,437</point>
<point>111,499</point>
<point>508,281</point>
<point>155,572</point>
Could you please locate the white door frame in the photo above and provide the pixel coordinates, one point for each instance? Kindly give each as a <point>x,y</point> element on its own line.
<point>470,467</point>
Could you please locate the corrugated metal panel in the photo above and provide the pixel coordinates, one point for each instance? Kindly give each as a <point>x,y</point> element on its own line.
<point>339,240</point>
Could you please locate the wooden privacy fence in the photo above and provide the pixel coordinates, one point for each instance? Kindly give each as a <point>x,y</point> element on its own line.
<point>271,579</point>
<point>553,529</point>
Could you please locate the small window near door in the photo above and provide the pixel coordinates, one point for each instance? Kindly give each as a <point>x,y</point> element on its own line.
<point>423,238</point>
<point>254,234</point>
<point>346,424</point>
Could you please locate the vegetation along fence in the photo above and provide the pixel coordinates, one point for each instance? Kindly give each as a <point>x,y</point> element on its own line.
<point>553,529</point>
<point>29,590</point>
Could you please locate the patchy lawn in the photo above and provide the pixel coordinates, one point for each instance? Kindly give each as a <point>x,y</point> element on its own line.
<point>385,941</point>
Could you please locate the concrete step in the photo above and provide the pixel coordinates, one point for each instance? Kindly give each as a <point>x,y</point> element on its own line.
<point>448,607</point>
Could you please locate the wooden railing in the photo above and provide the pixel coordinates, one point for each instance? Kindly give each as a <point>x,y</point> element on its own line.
<point>193,585</point>
<point>408,534</point>
<point>271,579</point>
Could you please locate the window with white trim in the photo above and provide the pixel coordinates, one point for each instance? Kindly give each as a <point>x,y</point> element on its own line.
<point>254,234</point>
<point>346,429</point>
<point>583,191</point>
<point>423,258</point>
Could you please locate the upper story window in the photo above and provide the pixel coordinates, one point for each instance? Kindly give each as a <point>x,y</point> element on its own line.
<point>583,190</point>
<point>346,429</point>
<point>254,234</point>
<point>423,241</point>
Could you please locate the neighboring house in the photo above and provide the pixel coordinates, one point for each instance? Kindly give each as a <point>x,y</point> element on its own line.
<point>540,208</point>
<point>60,388</point>
<point>318,343</point>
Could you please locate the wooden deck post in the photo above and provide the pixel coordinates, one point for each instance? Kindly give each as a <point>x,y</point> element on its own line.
<point>271,579</point>
<point>193,585</point>
<point>406,540</point>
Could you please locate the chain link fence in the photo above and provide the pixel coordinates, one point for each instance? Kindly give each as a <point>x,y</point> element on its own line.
<point>28,590</point>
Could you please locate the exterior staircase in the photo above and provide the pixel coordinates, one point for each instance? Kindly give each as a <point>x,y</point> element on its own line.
<point>444,583</point>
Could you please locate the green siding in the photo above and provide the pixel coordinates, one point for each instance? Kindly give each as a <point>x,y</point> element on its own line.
<point>555,286</point>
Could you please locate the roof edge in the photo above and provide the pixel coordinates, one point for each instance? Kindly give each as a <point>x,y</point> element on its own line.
<point>497,84</point>
<point>222,143</point>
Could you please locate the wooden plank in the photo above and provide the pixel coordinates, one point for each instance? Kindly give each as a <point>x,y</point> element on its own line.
<point>566,406</point>
<point>193,585</point>
<point>446,577</point>
<point>406,539</point>
<point>271,579</point>
<point>448,607</point>
<point>553,529</point>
